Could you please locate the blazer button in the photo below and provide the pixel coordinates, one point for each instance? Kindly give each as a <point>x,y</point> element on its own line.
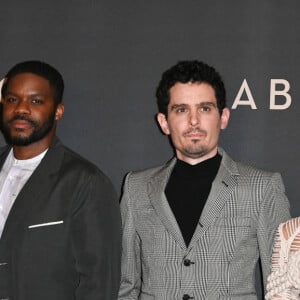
<point>187,297</point>
<point>187,263</point>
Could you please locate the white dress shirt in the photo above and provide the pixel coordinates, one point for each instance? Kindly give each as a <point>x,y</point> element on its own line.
<point>13,176</point>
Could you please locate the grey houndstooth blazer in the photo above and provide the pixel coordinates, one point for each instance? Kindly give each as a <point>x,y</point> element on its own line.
<point>236,227</point>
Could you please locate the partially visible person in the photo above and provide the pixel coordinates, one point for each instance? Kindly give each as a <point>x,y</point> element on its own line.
<point>1,83</point>
<point>196,226</point>
<point>60,224</point>
<point>284,280</point>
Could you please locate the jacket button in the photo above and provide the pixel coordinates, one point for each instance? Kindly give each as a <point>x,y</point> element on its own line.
<point>187,263</point>
<point>187,297</point>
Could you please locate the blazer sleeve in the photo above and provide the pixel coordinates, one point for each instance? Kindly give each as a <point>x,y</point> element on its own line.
<point>275,209</point>
<point>96,240</point>
<point>131,264</point>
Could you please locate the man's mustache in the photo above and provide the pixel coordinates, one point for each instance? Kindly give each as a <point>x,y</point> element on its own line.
<point>195,130</point>
<point>22,118</point>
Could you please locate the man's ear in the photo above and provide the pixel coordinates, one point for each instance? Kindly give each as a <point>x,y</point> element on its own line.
<point>225,117</point>
<point>163,123</point>
<point>59,111</point>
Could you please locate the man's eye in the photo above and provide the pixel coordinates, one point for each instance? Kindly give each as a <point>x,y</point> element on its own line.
<point>206,108</point>
<point>37,101</point>
<point>181,109</point>
<point>10,100</point>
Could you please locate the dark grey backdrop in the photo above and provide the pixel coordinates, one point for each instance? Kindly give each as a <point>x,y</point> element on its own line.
<point>112,54</point>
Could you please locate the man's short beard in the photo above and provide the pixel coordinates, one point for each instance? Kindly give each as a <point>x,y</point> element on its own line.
<point>39,131</point>
<point>195,152</point>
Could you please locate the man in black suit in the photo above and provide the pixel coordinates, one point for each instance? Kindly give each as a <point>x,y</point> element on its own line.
<point>59,215</point>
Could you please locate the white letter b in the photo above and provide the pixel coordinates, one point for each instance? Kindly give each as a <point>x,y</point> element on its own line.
<point>283,93</point>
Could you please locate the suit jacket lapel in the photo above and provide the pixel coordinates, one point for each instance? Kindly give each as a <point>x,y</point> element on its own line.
<point>4,152</point>
<point>35,188</point>
<point>156,192</point>
<point>222,187</point>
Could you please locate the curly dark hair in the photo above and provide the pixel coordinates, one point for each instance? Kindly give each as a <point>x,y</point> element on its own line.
<point>41,69</point>
<point>189,71</point>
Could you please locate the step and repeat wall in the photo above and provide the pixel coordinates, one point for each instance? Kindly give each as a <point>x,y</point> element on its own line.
<point>112,54</point>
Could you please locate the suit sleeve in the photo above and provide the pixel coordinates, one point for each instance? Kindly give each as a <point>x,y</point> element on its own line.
<point>275,209</point>
<point>131,264</point>
<point>96,240</point>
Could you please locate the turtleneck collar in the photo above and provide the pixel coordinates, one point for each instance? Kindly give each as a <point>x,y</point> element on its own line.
<point>206,168</point>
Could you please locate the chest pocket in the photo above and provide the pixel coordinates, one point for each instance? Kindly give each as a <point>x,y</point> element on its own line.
<point>233,222</point>
<point>231,235</point>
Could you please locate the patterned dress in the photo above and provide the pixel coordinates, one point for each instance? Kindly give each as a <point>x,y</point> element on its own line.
<point>284,280</point>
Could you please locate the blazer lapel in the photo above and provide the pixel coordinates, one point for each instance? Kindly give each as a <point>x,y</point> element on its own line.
<point>35,188</point>
<point>3,154</point>
<point>222,187</point>
<point>156,192</point>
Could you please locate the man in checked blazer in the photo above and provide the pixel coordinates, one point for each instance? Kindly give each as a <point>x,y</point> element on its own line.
<point>60,223</point>
<point>195,227</point>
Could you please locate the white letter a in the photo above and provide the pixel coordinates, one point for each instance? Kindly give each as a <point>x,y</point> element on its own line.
<point>239,101</point>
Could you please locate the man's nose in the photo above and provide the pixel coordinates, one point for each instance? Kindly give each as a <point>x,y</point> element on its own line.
<point>194,118</point>
<point>23,107</point>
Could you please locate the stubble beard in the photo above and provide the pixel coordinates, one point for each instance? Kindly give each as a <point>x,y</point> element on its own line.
<point>39,130</point>
<point>195,149</point>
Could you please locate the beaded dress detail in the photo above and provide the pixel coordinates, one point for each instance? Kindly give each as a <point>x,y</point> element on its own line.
<point>284,280</point>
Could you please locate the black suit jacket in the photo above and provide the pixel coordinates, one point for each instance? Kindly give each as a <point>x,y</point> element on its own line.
<point>61,239</point>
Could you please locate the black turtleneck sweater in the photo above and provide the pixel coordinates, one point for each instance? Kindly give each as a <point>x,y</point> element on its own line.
<point>187,191</point>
